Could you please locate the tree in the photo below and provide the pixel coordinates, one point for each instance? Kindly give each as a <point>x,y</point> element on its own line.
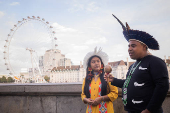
<point>4,80</point>
<point>10,79</point>
<point>31,81</point>
<point>47,78</point>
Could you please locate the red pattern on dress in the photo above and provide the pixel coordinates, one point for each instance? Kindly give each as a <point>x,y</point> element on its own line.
<point>102,105</point>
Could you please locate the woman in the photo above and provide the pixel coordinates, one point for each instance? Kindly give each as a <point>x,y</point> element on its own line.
<point>94,88</point>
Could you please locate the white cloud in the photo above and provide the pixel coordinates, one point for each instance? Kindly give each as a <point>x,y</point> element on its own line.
<point>76,7</point>
<point>59,28</point>
<point>92,7</point>
<point>102,40</point>
<point>1,14</point>
<point>83,6</point>
<point>14,3</point>
<point>10,24</point>
<point>80,48</point>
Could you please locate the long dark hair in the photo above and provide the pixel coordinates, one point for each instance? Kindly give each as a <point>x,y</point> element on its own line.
<point>88,81</point>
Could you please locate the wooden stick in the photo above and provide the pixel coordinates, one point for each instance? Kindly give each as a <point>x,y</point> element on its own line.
<point>108,70</point>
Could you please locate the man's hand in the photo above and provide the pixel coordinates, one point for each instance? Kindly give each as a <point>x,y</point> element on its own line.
<point>145,111</point>
<point>108,76</point>
<point>97,101</point>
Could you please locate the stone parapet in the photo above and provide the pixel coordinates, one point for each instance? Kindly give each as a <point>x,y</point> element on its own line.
<point>50,98</point>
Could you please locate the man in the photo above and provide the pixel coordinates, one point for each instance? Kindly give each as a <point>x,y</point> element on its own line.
<point>146,84</point>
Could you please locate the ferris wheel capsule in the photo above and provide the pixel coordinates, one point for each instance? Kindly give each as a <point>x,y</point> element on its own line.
<point>11,29</point>
<point>54,32</point>
<point>7,68</point>
<point>47,22</point>
<point>55,38</point>
<point>56,45</point>
<point>28,17</point>
<point>10,73</point>
<point>33,16</point>
<point>43,19</point>
<point>19,21</point>
<point>4,52</point>
<point>38,17</point>
<point>4,57</point>
<point>23,19</point>
<point>5,46</point>
<point>9,35</point>
<point>51,26</point>
<point>6,40</point>
<point>6,64</point>
<point>15,25</point>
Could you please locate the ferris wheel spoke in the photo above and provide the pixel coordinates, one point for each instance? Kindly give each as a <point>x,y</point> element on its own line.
<point>15,55</point>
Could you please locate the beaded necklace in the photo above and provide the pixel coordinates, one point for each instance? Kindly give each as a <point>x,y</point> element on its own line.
<point>97,74</point>
<point>126,83</point>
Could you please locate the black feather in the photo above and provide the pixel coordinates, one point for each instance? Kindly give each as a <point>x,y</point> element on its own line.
<point>139,35</point>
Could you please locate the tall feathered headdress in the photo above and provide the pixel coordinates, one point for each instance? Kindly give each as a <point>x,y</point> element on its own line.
<point>104,57</point>
<point>140,36</point>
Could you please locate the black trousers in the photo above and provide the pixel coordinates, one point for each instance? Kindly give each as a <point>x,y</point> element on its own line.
<point>140,112</point>
<point>158,111</point>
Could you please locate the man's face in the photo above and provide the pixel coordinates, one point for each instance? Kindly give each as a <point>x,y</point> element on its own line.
<point>136,49</point>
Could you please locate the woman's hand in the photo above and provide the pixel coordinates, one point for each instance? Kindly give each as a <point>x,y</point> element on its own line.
<point>97,101</point>
<point>88,101</point>
<point>108,77</point>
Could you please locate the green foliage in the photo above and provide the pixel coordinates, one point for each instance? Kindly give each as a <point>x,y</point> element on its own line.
<point>10,79</point>
<point>31,81</point>
<point>3,79</point>
<point>47,78</point>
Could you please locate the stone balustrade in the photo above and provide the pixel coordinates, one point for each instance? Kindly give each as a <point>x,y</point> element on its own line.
<point>50,98</point>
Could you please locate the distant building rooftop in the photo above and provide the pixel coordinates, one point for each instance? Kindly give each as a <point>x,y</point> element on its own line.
<point>73,67</point>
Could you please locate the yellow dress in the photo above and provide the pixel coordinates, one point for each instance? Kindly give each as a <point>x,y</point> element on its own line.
<point>95,93</point>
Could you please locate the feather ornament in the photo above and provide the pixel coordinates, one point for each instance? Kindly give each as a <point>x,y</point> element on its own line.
<point>100,53</point>
<point>140,36</point>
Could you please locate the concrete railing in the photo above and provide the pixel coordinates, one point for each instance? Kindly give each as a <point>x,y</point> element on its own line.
<point>50,98</point>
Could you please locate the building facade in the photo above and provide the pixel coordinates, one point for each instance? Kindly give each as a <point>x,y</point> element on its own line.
<point>52,58</point>
<point>167,61</point>
<point>76,73</point>
<point>120,68</point>
<point>62,74</point>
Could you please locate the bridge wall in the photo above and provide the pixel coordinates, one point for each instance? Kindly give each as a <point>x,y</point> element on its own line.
<point>50,98</point>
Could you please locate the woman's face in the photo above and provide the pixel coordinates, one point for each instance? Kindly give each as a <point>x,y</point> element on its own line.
<point>95,64</point>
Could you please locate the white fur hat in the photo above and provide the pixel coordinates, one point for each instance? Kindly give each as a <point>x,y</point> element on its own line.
<point>104,57</point>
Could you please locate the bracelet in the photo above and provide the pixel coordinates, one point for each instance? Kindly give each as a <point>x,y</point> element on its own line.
<point>103,98</point>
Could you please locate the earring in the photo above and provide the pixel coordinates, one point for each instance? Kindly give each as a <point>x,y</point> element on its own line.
<point>102,66</point>
<point>89,69</point>
<point>101,69</point>
<point>90,75</point>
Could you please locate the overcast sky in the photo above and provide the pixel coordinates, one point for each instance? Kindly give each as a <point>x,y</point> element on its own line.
<point>81,25</point>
